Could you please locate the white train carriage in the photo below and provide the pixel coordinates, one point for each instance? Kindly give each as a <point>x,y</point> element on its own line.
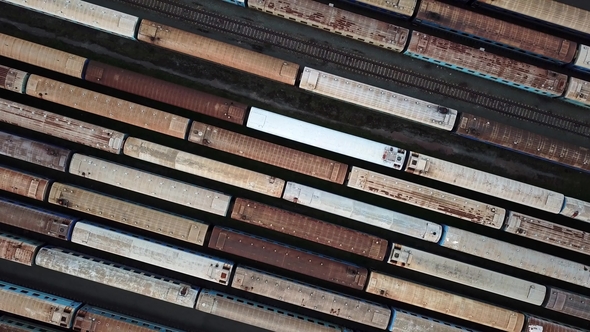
<point>115,275</point>
<point>327,139</point>
<point>260,315</point>
<point>9,324</point>
<point>38,306</point>
<point>582,60</point>
<point>363,212</point>
<point>404,321</point>
<point>149,184</point>
<point>466,274</point>
<point>84,13</point>
<point>93,319</point>
<point>485,183</point>
<point>18,249</point>
<point>577,92</point>
<point>426,197</point>
<point>516,256</point>
<point>311,297</point>
<point>378,99</point>
<point>152,252</point>
<point>576,209</point>
<point>203,167</point>
<point>128,213</point>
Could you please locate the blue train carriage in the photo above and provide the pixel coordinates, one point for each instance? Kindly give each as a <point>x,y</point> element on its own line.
<point>85,13</point>
<point>398,8</point>
<point>89,318</point>
<point>479,63</point>
<point>38,306</point>
<point>260,315</point>
<point>402,320</point>
<point>241,3</point>
<point>10,324</point>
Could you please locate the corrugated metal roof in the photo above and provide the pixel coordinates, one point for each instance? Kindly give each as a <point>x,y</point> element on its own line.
<point>485,183</point>
<point>327,139</point>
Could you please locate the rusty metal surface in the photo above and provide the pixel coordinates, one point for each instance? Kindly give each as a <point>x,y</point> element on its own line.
<point>215,51</point>
<point>312,297</point>
<point>128,213</point>
<point>35,220</point>
<point>425,197</point>
<point>165,92</point>
<point>116,275</point>
<point>338,21</point>
<point>310,229</point>
<point>35,305</point>
<point>13,79</point>
<point>35,152</point>
<point>548,232</point>
<point>447,303</point>
<point>17,249</point>
<point>93,319</point>
<point>107,106</point>
<point>23,184</point>
<point>288,258</point>
<point>203,167</point>
<point>467,58</point>
<point>60,126</point>
<point>267,152</point>
<point>41,56</point>
<point>10,324</point>
<point>568,303</point>
<point>537,324</point>
<point>497,31</point>
<point>523,141</point>
<point>149,184</point>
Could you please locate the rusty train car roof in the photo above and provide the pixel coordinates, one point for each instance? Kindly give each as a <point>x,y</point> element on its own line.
<point>478,61</point>
<point>35,220</point>
<point>497,31</point>
<point>11,324</point>
<point>535,324</point>
<point>23,184</point>
<point>35,152</point>
<point>267,152</point>
<point>568,303</point>
<point>165,92</point>
<point>18,249</point>
<point>94,319</point>
<point>289,258</point>
<point>523,141</point>
<point>310,229</point>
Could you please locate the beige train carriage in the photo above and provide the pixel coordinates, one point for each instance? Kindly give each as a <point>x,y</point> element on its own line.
<point>578,92</point>
<point>107,106</point>
<point>446,303</point>
<point>338,21</point>
<point>203,167</point>
<point>218,52</point>
<point>466,274</point>
<point>267,152</point>
<point>425,197</point>
<point>150,184</point>
<point>128,213</point>
<point>18,249</point>
<point>41,56</point>
<point>23,184</point>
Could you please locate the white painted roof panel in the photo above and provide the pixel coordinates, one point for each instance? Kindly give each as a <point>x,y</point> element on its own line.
<point>485,183</point>
<point>363,212</point>
<point>84,13</point>
<point>378,99</point>
<point>151,252</point>
<point>583,57</point>
<point>516,256</point>
<point>327,139</point>
<point>468,275</point>
<point>578,92</point>
<point>576,209</point>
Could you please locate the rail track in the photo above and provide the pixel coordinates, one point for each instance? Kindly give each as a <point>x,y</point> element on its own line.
<point>357,63</point>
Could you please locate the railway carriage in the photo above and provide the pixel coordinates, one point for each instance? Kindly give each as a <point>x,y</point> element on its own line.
<point>34,152</point>
<point>23,184</point>
<point>468,275</point>
<point>401,8</point>
<point>18,249</point>
<point>406,321</point>
<point>378,99</point>
<point>90,318</point>
<point>338,21</point>
<point>149,184</point>
<point>578,92</point>
<point>582,61</point>
<point>568,303</point>
<point>576,209</point>
<point>152,252</point>
<point>10,324</point>
<point>363,212</point>
<point>487,65</point>
<point>116,275</point>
